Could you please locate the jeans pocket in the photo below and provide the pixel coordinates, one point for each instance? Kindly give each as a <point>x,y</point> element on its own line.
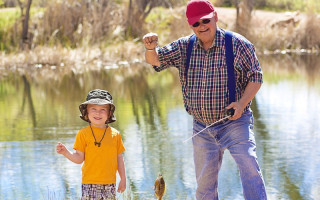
<point>197,127</point>
<point>247,117</point>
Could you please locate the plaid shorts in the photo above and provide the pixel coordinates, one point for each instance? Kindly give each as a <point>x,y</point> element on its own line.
<point>98,192</point>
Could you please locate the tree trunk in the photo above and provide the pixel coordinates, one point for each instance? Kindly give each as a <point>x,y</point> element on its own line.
<point>129,20</point>
<point>244,10</point>
<point>236,2</point>
<point>138,10</point>
<point>25,26</point>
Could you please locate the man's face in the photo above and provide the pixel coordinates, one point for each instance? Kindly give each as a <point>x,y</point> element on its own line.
<point>206,29</point>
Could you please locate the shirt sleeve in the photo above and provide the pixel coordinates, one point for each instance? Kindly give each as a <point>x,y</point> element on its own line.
<point>170,55</point>
<point>80,143</point>
<point>250,62</point>
<point>120,146</point>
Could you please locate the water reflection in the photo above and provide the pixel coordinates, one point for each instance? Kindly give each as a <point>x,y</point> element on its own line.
<point>27,97</point>
<point>40,108</point>
<point>288,106</point>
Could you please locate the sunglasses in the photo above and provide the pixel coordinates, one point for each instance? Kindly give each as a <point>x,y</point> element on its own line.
<point>205,21</point>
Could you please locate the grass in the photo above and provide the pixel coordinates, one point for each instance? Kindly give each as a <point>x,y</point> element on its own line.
<point>75,28</point>
<point>302,5</point>
<point>10,26</point>
<point>8,18</point>
<point>277,5</point>
<point>303,34</point>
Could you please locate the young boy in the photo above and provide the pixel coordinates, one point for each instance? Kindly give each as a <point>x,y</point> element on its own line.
<point>100,147</point>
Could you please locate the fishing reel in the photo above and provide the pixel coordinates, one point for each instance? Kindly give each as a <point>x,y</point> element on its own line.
<point>230,112</point>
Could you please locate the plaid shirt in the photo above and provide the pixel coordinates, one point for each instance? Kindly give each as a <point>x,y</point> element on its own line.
<point>205,90</point>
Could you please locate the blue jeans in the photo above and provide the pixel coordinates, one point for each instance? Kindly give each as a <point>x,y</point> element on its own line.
<point>236,136</point>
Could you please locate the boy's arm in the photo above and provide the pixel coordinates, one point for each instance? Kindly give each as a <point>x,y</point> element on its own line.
<point>122,173</point>
<point>76,157</point>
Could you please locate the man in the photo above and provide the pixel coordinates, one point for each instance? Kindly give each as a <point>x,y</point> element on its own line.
<point>206,98</point>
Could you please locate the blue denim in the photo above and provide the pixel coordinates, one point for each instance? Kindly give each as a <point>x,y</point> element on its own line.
<point>236,136</point>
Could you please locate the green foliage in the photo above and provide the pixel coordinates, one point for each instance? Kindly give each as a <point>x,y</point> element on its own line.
<point>278,5</point>
<point>8,18</point>
<point>159,18</point>
<point>159,21</point>
<point>293,5</point>
<point>11,26</point>
<point>51,27</point>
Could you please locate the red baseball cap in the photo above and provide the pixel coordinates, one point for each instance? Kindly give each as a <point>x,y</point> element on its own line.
<point>199,9</point>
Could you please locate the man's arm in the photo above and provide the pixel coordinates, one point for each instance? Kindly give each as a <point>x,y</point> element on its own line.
<point>150,41</point>
<point>249,93</point>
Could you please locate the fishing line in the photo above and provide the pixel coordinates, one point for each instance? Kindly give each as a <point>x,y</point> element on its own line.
<point>230,113</point>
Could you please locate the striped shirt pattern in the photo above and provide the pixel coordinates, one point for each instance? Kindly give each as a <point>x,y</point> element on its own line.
<point>205,89</point>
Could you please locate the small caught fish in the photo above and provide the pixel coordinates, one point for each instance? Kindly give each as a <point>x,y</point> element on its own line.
<point>159,187</point>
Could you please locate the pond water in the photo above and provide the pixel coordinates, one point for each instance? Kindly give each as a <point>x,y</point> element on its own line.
<point>40,108</point>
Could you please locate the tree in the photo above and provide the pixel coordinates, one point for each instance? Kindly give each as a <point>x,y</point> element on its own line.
<point>138,10</point>
<point>244,10</point>
<point>25,40</point>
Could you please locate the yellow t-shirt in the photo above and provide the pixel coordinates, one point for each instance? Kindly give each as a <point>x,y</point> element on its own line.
<point>100,163</point>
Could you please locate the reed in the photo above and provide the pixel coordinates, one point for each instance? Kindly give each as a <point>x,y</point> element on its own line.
<point>310,38</point>
<point>267,30</point>
<point>299,33</point>
<point>88,35</point>
<point>72,24</point>
<point>8,23</point>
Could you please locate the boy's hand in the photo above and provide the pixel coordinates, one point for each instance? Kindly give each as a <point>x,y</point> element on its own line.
<point>61,149</point>
<point>122,186</point>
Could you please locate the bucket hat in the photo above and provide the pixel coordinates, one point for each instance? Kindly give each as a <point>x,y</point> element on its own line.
<point>199,9</point>
<point>97,97</point>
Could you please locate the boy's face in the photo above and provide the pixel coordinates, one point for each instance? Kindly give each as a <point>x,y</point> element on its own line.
<point>98,114</point>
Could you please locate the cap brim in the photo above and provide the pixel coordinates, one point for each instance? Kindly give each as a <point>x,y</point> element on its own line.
<point>193,20</point>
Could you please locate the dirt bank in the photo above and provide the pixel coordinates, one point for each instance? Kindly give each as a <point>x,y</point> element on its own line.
<point>260,18</point>
<point>274,31</point>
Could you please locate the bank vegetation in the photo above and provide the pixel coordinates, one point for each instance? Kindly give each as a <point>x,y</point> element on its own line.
<point>98,32</point>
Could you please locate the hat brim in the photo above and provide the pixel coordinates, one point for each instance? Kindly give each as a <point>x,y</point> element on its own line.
<point>193,20</point>
<point>97,102</point>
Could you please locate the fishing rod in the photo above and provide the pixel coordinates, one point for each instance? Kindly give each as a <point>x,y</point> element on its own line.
<point>229,112</point>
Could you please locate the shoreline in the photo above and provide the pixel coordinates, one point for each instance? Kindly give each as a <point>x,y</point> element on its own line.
<point>271,29</point>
